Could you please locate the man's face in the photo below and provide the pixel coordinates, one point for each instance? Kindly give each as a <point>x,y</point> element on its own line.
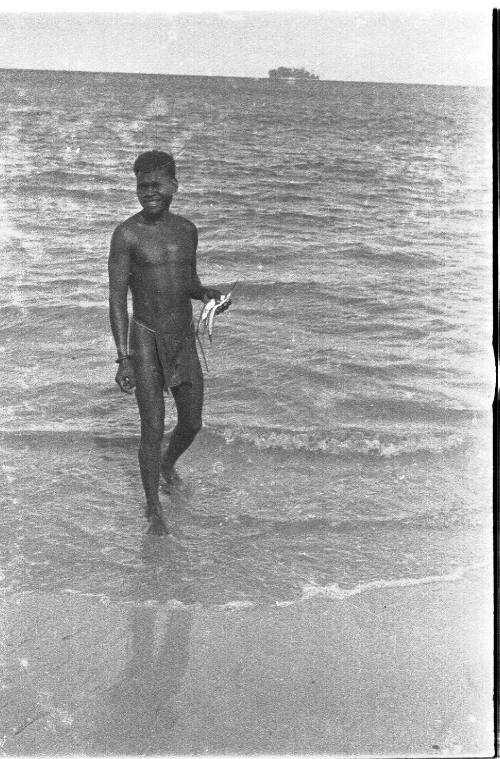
<point>154,190</point>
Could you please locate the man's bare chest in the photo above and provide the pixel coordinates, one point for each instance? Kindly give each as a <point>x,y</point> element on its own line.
<point>154,249</point>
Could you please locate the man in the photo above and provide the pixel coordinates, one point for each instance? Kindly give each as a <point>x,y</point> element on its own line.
<point>154,254</point>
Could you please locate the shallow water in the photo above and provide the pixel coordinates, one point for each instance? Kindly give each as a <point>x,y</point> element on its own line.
<point>347,433</point>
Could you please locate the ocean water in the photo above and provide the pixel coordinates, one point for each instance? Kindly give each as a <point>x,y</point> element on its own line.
<point>347,433</point>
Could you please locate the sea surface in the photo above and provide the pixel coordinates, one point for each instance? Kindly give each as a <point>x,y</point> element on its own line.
<point>347,422</point>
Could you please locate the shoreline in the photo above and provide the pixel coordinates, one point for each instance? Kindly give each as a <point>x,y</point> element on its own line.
<point>393,671</point>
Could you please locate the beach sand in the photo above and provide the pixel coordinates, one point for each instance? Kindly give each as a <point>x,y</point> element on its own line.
<point>391,671</point>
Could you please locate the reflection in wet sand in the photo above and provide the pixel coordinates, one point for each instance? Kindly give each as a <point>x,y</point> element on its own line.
<point>138,710</point>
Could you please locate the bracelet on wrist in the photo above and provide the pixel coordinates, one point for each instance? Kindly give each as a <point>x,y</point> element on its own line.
<point>122,358</point>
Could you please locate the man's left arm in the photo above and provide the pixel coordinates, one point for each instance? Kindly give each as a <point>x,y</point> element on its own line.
<point>198,292</point>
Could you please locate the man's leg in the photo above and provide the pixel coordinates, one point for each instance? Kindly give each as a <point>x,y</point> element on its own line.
<point>152,412</point>
<point>149,395</point>
<point>188,399</point>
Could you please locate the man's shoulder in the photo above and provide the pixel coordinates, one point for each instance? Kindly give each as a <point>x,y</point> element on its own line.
<point>129,224</point>
<point>183,223</point>
<point>127,229</point>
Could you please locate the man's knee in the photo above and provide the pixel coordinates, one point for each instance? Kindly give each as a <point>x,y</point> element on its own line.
<point>190,427</point>
<point>152,432</point>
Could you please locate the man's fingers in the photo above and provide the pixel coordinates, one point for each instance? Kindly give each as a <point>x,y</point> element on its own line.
<point>124,384</point>
<point>128,384</point>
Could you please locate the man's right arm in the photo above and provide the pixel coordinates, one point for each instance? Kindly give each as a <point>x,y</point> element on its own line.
<point>119,271</point>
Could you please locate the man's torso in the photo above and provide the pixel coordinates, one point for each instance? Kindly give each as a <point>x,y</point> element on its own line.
<point>161,258</point>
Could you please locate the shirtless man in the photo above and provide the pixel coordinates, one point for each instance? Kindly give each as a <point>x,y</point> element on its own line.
<point>154,254</point>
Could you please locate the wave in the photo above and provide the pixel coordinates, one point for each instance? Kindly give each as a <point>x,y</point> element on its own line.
<point>335,592</point>
<point>331,592</point>
<point>317,441</point>
<point>348,442</point>
<point>440,519</point>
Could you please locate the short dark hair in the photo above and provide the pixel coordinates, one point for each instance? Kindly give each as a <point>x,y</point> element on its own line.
<point>154,159</point>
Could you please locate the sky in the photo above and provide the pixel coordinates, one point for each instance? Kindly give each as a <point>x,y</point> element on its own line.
<point>422,45</point>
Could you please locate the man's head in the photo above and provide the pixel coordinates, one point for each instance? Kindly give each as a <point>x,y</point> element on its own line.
<point>154,159</point>
<point>156,182</point>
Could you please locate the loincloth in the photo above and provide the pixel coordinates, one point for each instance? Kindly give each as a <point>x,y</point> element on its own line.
<point>175,356</point>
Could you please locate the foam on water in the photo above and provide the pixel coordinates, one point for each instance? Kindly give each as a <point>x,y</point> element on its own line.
<point>307,441</point>
<point>332,592</point>
<point>349,443</point>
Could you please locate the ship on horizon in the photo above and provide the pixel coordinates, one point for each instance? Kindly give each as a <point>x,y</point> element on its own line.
<point>282,72</point>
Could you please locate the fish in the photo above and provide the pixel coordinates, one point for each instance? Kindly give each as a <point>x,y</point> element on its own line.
<point>211,309</point>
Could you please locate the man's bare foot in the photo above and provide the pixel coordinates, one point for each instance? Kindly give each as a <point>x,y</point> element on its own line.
<point>157,526</point>
<point>171,479</point>
<point>154,516</point>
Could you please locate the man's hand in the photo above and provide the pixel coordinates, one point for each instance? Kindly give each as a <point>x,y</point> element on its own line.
<point>125,376</point>
<point>211,292</point>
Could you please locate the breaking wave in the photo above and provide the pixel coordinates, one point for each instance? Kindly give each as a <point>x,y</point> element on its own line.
<point>335,592</point>
<point>331,592</point>
<point>354,442</point>
<point>339,443</point>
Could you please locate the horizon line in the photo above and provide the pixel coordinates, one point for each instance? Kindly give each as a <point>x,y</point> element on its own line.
<point>237,76</point>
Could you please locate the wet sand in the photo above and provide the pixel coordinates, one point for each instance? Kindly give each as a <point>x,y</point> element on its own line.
<point>392,671</point>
